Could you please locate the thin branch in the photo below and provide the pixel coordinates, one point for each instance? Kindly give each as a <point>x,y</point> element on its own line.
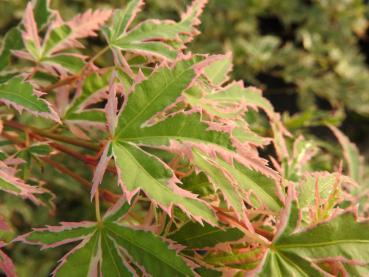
<point>105,194</point>
<point>48,134</point>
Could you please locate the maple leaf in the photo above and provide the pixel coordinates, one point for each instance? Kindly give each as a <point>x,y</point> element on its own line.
<point>59,37</point>
<point>300,251</point>
<point>110,248</point>
<point>160,38</point>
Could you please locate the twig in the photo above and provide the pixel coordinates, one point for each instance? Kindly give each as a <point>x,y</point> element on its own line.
<point>44,133</point>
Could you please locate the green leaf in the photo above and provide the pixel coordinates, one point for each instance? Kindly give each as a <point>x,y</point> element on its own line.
<point>13,38</point>
<point>231,193</point>
<point>217,71</point>
<point>42,13</point>
<point>307,192</point>
<point>139,170</point>
<point>151,96</point>
<point>13,185</point>
<point>12,41</point>
<point>244,259</point>
<point>94,85</point>
<point>123,18</point>
<point>194,235</point>
<point>148,48</point>
<point>56,38</point>
<point>152,37</point>
<point>181,127</point>
<point>71,63</point>
<point>20,95</point>
<point>137,124</point>
<point>255,182</point>
<point>292,252</point>
<point>109,247</point>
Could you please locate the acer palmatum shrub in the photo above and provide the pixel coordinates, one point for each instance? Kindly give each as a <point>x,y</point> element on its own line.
<point>177,183</point>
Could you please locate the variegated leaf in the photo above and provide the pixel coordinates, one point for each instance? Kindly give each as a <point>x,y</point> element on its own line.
<point>110,248</point>
<point>22,96</point>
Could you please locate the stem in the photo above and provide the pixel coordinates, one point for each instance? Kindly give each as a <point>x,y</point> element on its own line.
<point>253,237</point>
<point>47,134</point>
<point>63,82</point>
<point>105,194</point>
<point>75,77</point>
<point>97,206</point>
<point>98,54</point>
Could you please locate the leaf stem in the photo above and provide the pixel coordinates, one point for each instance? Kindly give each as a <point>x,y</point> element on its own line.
<point>97,206</point>
<point>105,194</point>
<point>47,134</point>
<point>98,54</point>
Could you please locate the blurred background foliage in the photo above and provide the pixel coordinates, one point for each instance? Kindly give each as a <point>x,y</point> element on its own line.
<point>310,57</point>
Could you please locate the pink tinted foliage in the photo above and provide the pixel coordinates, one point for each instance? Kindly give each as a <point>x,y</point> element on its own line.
<point>30,26</point>
<point>6,264</point>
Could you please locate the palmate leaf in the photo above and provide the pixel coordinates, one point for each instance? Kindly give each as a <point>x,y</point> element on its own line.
<point>160,90</point>
<point>66,35</point>
<point>294,253</point>
<point>110,248</point>
<point>21,95</point>
<point>161,38</point>
<point>59,36</point>
<point>13,38</point>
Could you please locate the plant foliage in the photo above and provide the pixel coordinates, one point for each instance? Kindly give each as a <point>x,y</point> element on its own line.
<point>186,171</point>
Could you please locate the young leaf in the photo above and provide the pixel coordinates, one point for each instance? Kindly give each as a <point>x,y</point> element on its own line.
<point>153,37</point>
<point>351,154</point>
<point>295,252</point>
<point>109,248</point>
<point>30,34</point>
<point>21,95</point>
<point>67,35</point>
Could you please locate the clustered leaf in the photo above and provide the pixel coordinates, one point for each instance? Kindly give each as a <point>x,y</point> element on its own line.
<point>183,180</point>
<point>110,248</point>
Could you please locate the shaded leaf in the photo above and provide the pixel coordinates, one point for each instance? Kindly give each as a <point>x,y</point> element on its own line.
<point>194,235</point>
